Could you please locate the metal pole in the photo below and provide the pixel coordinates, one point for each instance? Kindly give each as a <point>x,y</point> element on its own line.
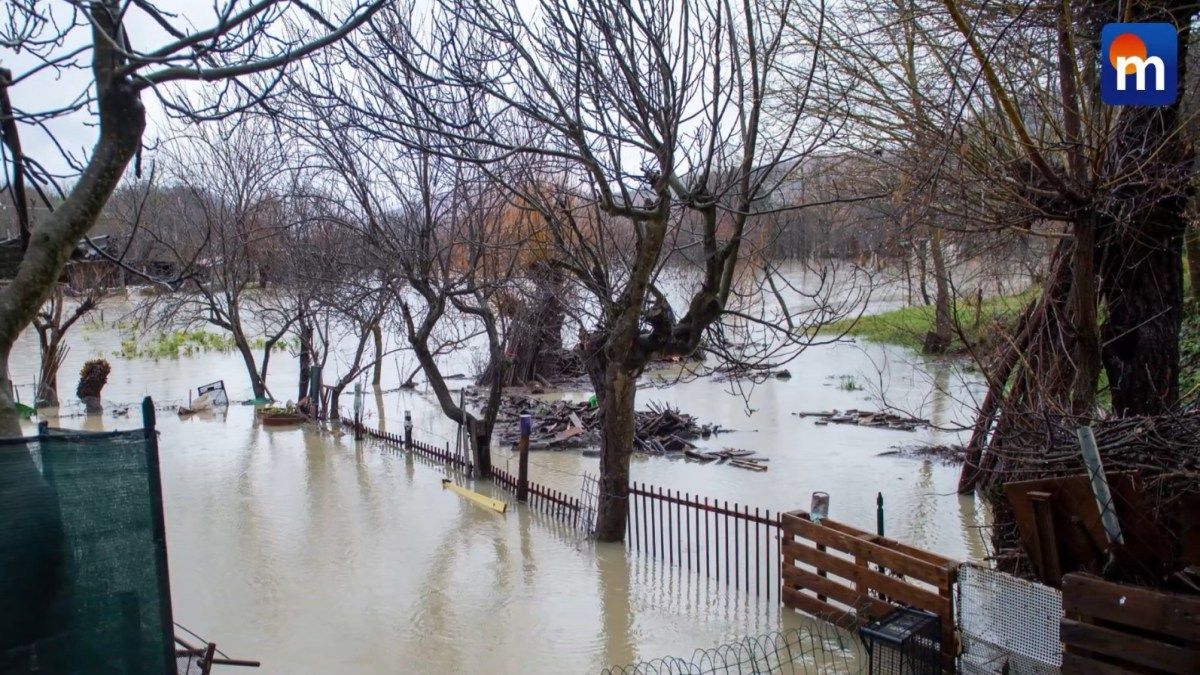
<point>879,514</point>
<point>408,430</point>
<point>523,466</point>
<point>1104,500</point>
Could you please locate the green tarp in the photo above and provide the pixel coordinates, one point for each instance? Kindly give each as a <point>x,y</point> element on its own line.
<point>83,564</point>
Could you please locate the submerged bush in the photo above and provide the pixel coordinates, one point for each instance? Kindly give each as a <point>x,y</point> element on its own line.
<point>185,343</point>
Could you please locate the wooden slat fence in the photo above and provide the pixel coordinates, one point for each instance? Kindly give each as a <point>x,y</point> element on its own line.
<point>1115,628</point>
<point>848,576</point>
<point>725,541</point>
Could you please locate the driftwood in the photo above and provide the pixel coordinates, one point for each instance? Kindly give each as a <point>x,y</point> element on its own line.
<point>742,459</point>
<point>864,418</point>
<point>560,424</point>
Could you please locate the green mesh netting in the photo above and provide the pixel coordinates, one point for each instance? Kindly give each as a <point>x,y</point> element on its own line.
<point>83,571</point>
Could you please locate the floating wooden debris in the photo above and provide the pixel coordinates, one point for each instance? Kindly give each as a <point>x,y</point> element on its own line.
<point>751,464</point>
<point>866,418</point>
<point>661,429</point>
<point>743,459</point>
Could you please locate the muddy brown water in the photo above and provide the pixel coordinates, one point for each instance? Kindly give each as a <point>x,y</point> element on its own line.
<point>316,554</point>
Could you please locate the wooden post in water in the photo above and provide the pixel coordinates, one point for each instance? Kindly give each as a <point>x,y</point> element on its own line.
<point>483,451</point>
<point>408,431</point>
<point>523,465</point>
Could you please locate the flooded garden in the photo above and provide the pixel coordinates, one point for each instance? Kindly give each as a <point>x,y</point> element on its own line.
<point>305,549</point>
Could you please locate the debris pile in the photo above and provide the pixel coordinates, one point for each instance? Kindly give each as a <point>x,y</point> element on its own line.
<point>865,418</point>
<point>742,459</point>
<point>661,429</point>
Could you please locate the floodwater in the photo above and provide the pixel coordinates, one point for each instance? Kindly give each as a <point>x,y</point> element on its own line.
<point>317,554</point>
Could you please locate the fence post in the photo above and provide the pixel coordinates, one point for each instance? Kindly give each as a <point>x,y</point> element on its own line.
<point>408,431</point>
<point>523,450</point>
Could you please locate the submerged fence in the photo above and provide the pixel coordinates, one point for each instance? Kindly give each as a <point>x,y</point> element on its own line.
<point>551,502</point>
<point>813,648</point>
<point>558,505</point>
<point>443,456</point>
<point>722,540</point>
<point>725,541</point>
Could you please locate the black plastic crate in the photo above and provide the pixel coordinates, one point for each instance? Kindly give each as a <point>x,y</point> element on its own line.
<point>905,642</point>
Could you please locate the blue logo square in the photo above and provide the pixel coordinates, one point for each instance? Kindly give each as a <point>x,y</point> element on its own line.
<point>1139,64</point>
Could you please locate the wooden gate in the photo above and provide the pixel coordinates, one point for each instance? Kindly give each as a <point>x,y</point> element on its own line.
<point>850,577</point>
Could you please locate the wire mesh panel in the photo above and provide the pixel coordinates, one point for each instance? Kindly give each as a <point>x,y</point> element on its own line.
<point>83,575</point>
<point>1008,624</point>
<point>816,648</point>
<point>589,500</point>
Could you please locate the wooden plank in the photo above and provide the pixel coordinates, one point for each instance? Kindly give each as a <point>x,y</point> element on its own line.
<point>913,551</point>
<point>1079,664</point>
<point>802,579</point>
<point>486,502</point>
<point>895,589</point>
<point>1133,649</point>
<point>810,605</point>
<point>879,554</point>
<point>1168,613</point>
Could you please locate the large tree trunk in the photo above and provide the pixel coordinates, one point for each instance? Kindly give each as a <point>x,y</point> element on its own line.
<point>616,394</point>
<point>534,344</point>
<point>335,395</point>
<point>306,335</point>
<point>256,380</point>
<point>1083,313</point>
<point>937,341</point>
<point>1141,260</point>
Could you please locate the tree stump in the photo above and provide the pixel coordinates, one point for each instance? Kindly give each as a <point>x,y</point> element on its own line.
<point>92,378</point>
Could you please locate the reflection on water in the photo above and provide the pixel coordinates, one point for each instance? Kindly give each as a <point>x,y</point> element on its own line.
<point>316,553</point>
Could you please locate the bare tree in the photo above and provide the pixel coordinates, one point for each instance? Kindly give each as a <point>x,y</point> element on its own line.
<point>223,224</point>
<point>1025,143</point>
<point>428,229</point>
<point>60,313</point>
<point>652,124</point>
<point>74,37</point>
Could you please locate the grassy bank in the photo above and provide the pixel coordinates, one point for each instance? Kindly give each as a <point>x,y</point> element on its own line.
<point>907,326</point>
<point>184,343</point>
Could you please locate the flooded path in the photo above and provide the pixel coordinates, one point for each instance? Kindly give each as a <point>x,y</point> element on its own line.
<point>317,554</point>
